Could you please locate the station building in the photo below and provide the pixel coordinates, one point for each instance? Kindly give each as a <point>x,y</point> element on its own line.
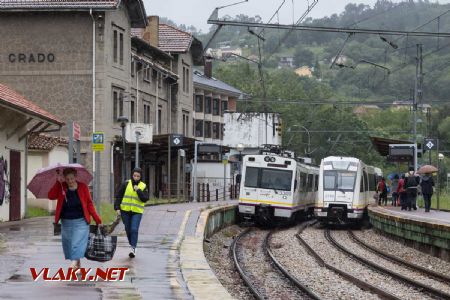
<point>93,61</point>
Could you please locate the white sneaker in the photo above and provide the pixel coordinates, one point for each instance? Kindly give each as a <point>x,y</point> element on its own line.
<point>132,253</point>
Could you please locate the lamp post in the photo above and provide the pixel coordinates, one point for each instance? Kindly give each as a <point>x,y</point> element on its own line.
<point>438,184</point>
<point>123,122</point>
<point>308,151</point>
<point>240,148</point>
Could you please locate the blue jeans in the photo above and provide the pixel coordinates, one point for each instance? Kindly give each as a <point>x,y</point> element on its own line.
<point>131,221</point>
<point>74,236</point>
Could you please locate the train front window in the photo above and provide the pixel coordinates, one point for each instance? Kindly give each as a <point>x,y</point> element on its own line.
<point>329,180</point>
<point>338,180</point>
<point>251,177</point>
<point>276,179</point>
<point>346,180</point>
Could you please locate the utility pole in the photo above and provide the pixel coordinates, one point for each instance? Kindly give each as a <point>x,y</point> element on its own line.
<point>417,98</point>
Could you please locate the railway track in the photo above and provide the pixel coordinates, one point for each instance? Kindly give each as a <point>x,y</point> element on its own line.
<point>414,267</point>
<point>255,283</point>
<point>424,288</point>
<point>352,279</point>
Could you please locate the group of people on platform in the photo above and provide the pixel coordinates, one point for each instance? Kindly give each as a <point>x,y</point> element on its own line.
<point>405,190</point>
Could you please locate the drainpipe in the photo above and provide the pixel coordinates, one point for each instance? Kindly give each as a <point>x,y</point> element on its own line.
<point>111,174</point>
<point>93,70</point>
<point>96,184</point>
<point>26,177</point>
<point>157,99</point>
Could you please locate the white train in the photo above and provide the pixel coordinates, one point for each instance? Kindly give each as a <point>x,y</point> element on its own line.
<point>276,187</point>
<point>346,188</point>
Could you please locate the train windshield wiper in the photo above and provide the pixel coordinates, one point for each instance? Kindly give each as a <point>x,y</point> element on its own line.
<point>341,190</point>
<point>273,187</point>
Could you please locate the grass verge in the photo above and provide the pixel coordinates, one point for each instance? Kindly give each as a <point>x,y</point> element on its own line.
<point>33,212</point>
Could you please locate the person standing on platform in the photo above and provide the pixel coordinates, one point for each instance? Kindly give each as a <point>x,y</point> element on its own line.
<point>402,192</point>
<point>382,189</point>
<point>427,183</point>
<point>411,184</point>
<point>129,203</point>
<point>394,190</point>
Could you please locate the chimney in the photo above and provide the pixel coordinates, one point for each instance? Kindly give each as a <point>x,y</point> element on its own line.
<point>151,32</point>
<point>208,67</point>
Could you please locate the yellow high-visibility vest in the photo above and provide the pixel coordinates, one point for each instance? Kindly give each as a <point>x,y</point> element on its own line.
<point>131,201</point>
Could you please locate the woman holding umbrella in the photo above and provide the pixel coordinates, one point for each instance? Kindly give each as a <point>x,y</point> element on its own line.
<point>74,208</point>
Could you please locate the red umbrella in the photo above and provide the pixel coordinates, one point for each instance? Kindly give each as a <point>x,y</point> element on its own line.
<point>45,178</point>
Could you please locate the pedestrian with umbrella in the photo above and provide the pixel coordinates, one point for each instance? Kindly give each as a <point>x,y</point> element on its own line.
<point>426,184</point>
<point>74,205</point>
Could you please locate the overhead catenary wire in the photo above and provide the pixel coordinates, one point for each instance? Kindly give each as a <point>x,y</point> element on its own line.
<point>283,39</point>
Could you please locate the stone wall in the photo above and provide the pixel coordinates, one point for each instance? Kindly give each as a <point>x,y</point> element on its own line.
<point>433,238</point>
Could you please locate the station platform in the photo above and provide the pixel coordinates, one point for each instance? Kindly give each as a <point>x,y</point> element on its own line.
<point>155,273</point>
<point>425,231</point>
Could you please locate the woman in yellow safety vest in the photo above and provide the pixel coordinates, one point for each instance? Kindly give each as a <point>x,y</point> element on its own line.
<point>129,203</point>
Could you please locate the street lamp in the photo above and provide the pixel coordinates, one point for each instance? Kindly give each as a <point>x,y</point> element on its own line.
<point>240,148</point>
<point>438,184</point>
<point>123,122</point>
<point>309,137</point>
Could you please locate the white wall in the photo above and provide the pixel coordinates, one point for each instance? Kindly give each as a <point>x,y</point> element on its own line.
<point>37,160</point>
<point>212,173</point>
<point>249,129</point>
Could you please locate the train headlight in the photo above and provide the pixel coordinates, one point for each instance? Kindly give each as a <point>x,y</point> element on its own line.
<point>267,159</point>
<point>272,159</point>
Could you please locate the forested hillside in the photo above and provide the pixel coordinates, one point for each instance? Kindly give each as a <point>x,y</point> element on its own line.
<point>372,69</point>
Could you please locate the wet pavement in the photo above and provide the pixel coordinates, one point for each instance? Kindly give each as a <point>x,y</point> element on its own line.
<point>31,244</point>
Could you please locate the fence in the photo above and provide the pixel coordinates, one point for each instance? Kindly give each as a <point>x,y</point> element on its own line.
<point>207,191</point>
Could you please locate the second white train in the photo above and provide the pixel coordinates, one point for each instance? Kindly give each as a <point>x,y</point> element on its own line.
<point>346,188</point>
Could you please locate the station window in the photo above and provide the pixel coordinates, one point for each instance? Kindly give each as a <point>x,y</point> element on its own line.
<point>198,128</point>
<point>198,103</point>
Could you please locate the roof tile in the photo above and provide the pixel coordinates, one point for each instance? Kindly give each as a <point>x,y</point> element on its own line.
<point>45,142</point>
<point>56,4</point>
<point>172,39</point>
<point>17,101</point>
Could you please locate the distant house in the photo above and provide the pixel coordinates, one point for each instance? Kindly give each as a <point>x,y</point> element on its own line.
<point>224,52</point>
<point>304,71</point>
<point>214,52</point>
<point>364,109</point>
<point>407,104</point>
<point>341,59</point>
<point>228,52</point>
<point>286,61</point>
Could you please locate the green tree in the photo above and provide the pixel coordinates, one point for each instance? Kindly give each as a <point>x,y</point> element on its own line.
<point>303,57</point>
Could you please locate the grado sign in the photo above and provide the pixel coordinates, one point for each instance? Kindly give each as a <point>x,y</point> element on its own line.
<point>31,57</point>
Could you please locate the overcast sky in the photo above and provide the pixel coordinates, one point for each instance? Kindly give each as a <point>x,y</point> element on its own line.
<point>196,12</point>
